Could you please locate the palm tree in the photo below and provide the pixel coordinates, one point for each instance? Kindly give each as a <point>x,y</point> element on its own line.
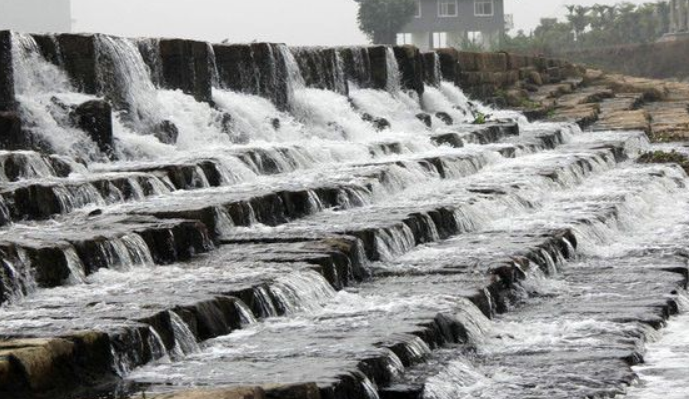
<point>578,18</point>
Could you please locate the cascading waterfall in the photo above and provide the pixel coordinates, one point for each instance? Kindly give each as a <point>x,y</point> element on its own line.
<point>185,341</point>
<point>433,74</point>
<point>18,279</point>
<point>119,60</point>
<point>460,102</point>
<point>394,80</point>
<point>44,94</point>
<point>301,291</point>
<point>256,143</point>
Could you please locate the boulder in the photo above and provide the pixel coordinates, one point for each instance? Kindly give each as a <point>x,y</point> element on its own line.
<point>7,94</point>
<point>425,118</point>
<point>95,118</point>
<point>379,124</point>
<point>445,117</point>
<point>534,78</point>
<point>166,132</point>
<point>275,122</point>
<point>187,67</point>
<point>226,120</point>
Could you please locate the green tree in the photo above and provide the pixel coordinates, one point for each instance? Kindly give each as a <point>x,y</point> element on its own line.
<point>381,20</point>
<point>578,18</point>
<point>597,26</point>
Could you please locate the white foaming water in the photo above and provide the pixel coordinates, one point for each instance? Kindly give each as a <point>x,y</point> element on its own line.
<point>256,118</point>
<point>400,109</point>
<point>329,115</point>
<point>119,60</point>
<point>459,379</point>
<point>436,100</point>
<point>302,291</point>
<point>437,73</point>
<point>185,341</point>
<point>394,80</point>
<point>200,125</point>
<point>44,94</point>
<point>665,371</point>
<point>457,97</point>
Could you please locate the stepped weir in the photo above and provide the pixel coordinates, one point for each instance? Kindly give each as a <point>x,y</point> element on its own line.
<point>181,219</point>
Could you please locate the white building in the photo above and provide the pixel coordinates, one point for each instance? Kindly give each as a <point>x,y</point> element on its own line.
<point>36,16</point>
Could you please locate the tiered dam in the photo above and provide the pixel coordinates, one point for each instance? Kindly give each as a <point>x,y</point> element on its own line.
<point>181,219</point>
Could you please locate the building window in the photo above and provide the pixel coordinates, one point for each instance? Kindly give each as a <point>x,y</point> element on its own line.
<point>475,37</point>
<point>418,9</point>
<point>483,8</point>
<point>439,39</point>
<point>447,8</point>
<point>404,38</point>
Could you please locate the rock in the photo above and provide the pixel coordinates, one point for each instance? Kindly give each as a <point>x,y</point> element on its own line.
<point>276,123</point>
<point>227,393</point>
<point>273,76</point>
<point>166,132</point>
<point>411,66</point>
<point>61,166</point>
<point>79,60</point>
<point>451,139</point>
<point>448,64</point>
<point>318,67</point>
<point>187,67</point>
<point>431,69</point>
<point>67,108</point>
<point>295,391</point>
<point>227,121</point>
<point>445,117</point>
<point>11,135</point>
<point>95,118</point>
<point>356,65</point>
<point>379,124</point>
<point>237,69</point>
<point>38,361</point>
<point>92,354</point>
<point>49,47</point>
<point>425,118</point>
<point>52,267</point>
<point>402,392</point>
<point>7,94</point>
<point>379,67</point>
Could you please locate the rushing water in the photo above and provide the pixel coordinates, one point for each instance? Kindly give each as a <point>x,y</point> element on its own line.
<point>349,243</point>
<point>664,372</point>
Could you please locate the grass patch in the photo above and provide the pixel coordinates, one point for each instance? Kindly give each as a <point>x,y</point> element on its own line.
<point>666,157</point>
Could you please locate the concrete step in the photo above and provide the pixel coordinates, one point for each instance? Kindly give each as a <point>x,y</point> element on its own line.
<point>370,335</point>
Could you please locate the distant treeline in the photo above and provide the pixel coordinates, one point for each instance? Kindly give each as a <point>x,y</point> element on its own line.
<point>595,26</point>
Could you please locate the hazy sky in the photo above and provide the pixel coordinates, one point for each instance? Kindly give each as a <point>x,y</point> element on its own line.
<point>296,22</point>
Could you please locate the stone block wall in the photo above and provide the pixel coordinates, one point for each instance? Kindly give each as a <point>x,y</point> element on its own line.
<point>483,74</point>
